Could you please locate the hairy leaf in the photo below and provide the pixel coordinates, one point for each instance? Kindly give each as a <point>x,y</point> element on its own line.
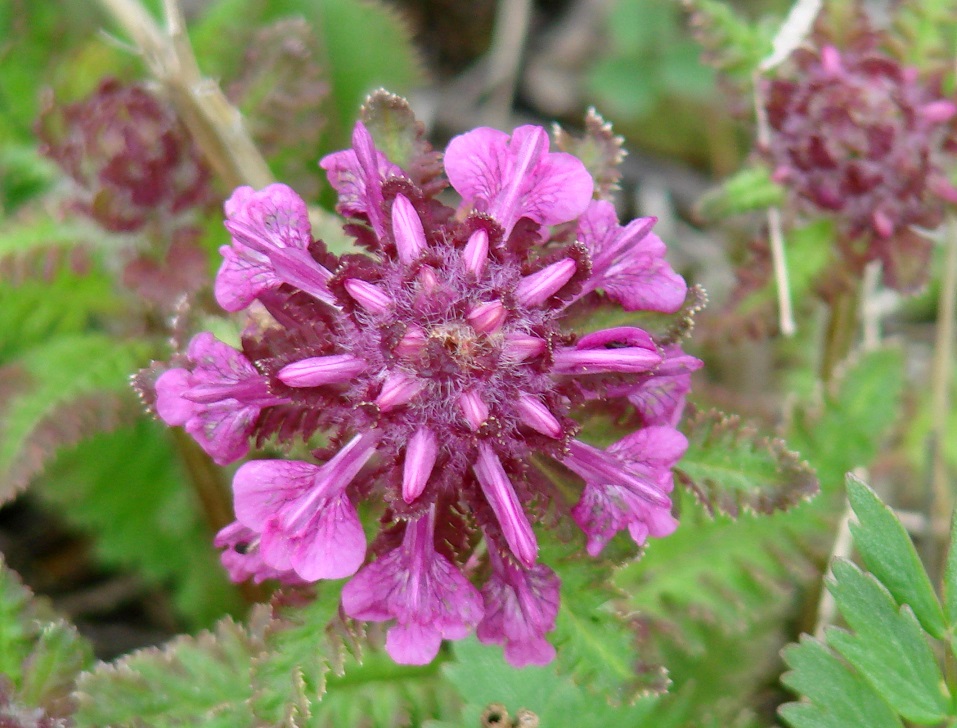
<point>836,696</point>
<point>36,311</point>
<point>889,554</point>
<point>39,248</point>
<point>597,644</point>
<point>307,674</point>
<point>599,149</point>
<point>128,489</point>
<point>733,45</point>
<point>401,137</point>
<point>202,680</point>
<point>730,468</point>
<point>846,428</point>
<point>72,388</point>
<point>482,677</point>
<point>40,653</point>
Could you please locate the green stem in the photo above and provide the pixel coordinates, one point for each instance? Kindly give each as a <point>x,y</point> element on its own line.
<point>941,496</point>
<point>841,330</point>
<point>207,482</point>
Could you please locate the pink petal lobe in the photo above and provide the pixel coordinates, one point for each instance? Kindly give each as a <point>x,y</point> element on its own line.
<point>501,497</point>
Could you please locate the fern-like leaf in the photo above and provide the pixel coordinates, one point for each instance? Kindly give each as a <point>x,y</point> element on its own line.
<point>39,653</point>
<point>730,468</point>
<point>73,386</point>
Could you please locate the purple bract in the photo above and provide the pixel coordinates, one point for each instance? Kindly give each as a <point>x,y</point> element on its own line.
<point>436,365</point>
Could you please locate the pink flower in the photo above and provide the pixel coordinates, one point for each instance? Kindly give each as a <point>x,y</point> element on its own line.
<point>626,486</point>
<point>427,596</point>
<point>860,138</point>
<point>241,557</point>
<point>306,522</point>
<point>445,354</point>
<point>217,400</point>
<point>520,608</point>
<point>514,177</point>
<point>270,246</point>
<point>628,262</point>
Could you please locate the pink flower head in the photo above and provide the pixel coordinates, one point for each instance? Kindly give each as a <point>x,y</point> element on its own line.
<point>628,262</point>
<point>520,608</point>
<point>217,399</point>
<point>270,246</point>
<point>626,486</point>
<point>440,362</point>
<point>514,177</point>
<point>241,557</point>
<point>860,138</point>
<point>427,596</point>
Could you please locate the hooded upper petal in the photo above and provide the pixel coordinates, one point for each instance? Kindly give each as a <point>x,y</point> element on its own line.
<point>515,177</point>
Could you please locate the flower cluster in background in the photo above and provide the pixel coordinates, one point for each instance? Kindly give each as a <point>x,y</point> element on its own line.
<point>435,367</point>
<point>860,137</point>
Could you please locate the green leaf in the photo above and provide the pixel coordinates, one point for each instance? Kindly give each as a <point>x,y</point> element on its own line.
<point>734,45</point>
<point>950,577</point>
<point>128,490</point>
<point>836,696</point>
<point>398,134</point>
<point>847,427</point>
<point>889,555</point>
<point>70,388</point>
<point>887,646</point>
<point>193,681</point>
<point>747,190</point>
<point>595,642</point>
<point>305,673</point>
<point>927,29</point>
<point>730,468</point>
<point>482,677</point>
<point>39,653</point>
<point>37,310</point>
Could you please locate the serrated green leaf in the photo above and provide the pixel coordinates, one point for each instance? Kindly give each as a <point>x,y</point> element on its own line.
<point>596,644</point>
<point>397,133</point>
<point>745,191</point>
<point>735,46</point>
<point>887,646</point>
<point>39,653</point>
<point>847,428</point>
<point>305,670</point>
<point>129,491</point>
<point>81,370</point>
<point>36,310</point>
<point>838,697</point>
<point>482,677</point>
<point>730,468</point>
<point>193,681</point>
<point>889,555</point>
